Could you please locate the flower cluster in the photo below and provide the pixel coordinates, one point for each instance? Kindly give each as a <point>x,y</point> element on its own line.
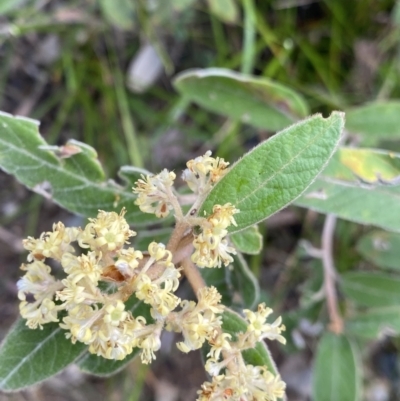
<point>101,271</point>
<point>239,380</point>
<point>93,316</point>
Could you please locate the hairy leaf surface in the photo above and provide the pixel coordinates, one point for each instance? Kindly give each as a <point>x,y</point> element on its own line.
<point>71,175</point>
<point>256,101</point>
<point>277,171</point>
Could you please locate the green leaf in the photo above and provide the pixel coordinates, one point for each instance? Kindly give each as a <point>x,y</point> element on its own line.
<point>238,287</point>
<point>232,323</point>
<point>244,283</point>
<point>375,323</point>
<point>130,174</point>
<point>381,248</point>
<point>226,10</point>
<point>256,101</point>
<point>70,175</point>
<point>221,280</point>
<point>120,13</point>
<point>371,289</point>
<point>359,185</point>
<point>248,241</point>
<point>277,171</point>
<point>100,366</point>
<point>29,356</point>
<point>337,371</point>
<point>378,120</point>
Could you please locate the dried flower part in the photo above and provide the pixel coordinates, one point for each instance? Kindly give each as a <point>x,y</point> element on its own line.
<point>211,249</point>
<point>154,193</point>
<point>203,172</point>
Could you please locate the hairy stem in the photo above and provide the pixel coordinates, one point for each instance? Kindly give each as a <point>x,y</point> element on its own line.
<point>176,236</point>
<point>336,321</point>
<point>193,275</point>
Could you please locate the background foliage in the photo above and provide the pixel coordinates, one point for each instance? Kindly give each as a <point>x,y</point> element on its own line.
<point>152,84</point>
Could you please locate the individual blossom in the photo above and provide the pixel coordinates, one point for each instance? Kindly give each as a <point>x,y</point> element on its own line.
<point>108,232</point>
<point>39,282</point>
<point>78,267</point>
<point>116,340</point>
<point>203,172</point>
<point>211,247</point>
<point>258,329</point>
<point>38,313</point>
<point>250,382</point>
<point>162,300</point>
<point>197,322</point>
<point>160,254</point>
<point>79,291</point>
<point>127,261</point>
<point>154,193</point>
<point>51,244</point>
<point>150,342</point>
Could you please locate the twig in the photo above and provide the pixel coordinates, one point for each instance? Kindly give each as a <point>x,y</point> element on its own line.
<point>336,321</point>
<point>193,275</point>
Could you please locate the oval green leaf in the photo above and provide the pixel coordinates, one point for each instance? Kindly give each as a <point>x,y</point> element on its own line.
<point>382,248</point>
<point>371,289</point>
<point>359,185</point>
<point>277,171</point>
<point>71,176</point>
<point>248,241</point>
<point>256,101</point>
<point>30,356</point>
<point>378,120</point>
<point>375,323</point>
<point>337,371</point>
<point>244,283</point>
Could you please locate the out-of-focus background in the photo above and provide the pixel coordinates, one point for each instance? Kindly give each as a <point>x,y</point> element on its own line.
<point>100,71</point>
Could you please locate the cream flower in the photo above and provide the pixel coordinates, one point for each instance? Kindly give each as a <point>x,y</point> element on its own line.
<point>203,172</point>
<point>51,244</point>
<point>258,329</point>
<point>211,247</point>
<point>108,232</point>
<point>127,261</point>
<point>154,193</point>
